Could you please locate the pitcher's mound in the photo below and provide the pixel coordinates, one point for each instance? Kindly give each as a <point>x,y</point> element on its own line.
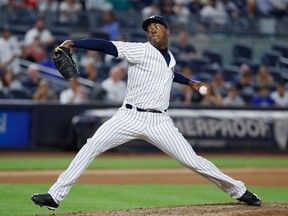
<point>229,209</point>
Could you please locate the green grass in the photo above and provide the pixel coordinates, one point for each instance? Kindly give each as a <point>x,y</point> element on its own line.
<point>34,163</point>
<point>15,199</point>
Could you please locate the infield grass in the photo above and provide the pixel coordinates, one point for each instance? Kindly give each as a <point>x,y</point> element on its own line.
<point>54,163</point>
<point>15,199</point>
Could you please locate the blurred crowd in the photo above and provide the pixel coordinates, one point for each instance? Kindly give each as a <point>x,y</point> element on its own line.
<point>251,84</point>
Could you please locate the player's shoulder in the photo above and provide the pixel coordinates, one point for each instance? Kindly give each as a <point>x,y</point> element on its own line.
<point>130,45</point>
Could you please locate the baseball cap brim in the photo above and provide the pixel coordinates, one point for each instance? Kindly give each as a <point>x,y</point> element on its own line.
<point>154,19</point>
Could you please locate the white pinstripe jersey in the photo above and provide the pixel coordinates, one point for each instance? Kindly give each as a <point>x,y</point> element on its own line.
<point>149,77</point>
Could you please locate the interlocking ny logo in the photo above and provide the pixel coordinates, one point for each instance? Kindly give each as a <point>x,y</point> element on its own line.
<point>281,133</point>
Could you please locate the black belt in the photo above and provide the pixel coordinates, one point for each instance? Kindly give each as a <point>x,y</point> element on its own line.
<point>129,106</point>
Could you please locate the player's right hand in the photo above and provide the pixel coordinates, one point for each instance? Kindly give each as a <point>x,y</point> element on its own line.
<point>67,43</point>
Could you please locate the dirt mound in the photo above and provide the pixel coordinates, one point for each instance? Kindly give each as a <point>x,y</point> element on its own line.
<point>229,209</point>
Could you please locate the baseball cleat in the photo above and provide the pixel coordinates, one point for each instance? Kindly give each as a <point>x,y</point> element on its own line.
<point>44,200</point>
<point>250,199</point>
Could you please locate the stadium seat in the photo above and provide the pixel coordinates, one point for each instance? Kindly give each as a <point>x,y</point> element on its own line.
<point>19,30</point>
<point>215,57</point>
<point>138,36</point>
<point>242,51</point>
<point>230,72</point>
<point>60,33</point>
<point>100,34</point>
<point>199,65</point>
<point>270,58</point>
<point>2,95</point>
<point>17,94</point>
<point>275,73</point>
<point>283,49</point>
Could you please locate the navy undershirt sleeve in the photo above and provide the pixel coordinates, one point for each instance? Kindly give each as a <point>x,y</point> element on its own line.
<point>179,78</point>
<point>97,45</point>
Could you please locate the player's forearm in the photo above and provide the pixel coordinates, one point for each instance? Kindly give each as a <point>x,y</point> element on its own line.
<point>97,45</point>
<point>179,78</point>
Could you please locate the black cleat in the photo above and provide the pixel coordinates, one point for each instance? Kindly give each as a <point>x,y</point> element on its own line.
<point>44,200</point>
<point>250,199</point>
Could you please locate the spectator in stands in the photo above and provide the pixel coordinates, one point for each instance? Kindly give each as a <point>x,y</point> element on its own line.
<point>90,62</point>
<point>233,98</point>
<point>40,31</point>
<point>68,11</point>
<point>195,7</point>
<point>251,9</point>
<point>280,96</point>
<point>91,56</point>
<point>99,5</point>
<point>280,8</point>
<point>246,84</point>
<point>9,51</point>
<point>264,7</point>
<point>32,80</point>
<point>9,82</point>
<point>149,10</point>
<point>30,4</point>
<point>114,85</point>
<point>91,72</point>
<point>212,14</point>
<point>230,8</point>
<point>46,7</point>
<point>75,94</point>
<point>211,100</point>
<point>262,98</point>
<point>44,93</point>
<point>10,5</point>
<point>36,51</point>
<point>111,26</point>
<point>219,85</point>
<point>182,12</point>
<point>47,62</point>
<point>138,5</point>
<point>183,49</point>
<point>166,8</point>
<point>263,78</point>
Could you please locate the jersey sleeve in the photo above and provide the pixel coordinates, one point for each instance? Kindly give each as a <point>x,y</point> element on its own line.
<point>132,52</point>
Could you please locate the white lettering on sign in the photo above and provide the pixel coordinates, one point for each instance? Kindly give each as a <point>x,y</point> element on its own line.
<point>223,127</point>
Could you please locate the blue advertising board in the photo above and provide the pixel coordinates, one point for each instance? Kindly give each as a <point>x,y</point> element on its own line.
<point>14,129</point>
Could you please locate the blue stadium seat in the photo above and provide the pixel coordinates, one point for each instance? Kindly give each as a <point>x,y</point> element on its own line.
<point>230,72</point>
<point>242,51</point>
<point>214,56</point>
<point>282,48</point>
<point>270,58</point>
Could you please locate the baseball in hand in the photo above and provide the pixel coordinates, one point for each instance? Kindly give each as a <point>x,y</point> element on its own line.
<point>203,90</point>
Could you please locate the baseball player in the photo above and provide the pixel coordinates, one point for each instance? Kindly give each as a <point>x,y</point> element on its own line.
<point>143,115</point>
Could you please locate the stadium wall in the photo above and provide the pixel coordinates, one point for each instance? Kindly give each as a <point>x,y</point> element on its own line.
<point>38,127</point>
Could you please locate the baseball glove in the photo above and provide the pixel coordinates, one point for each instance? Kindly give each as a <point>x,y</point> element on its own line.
<point>64,62</point>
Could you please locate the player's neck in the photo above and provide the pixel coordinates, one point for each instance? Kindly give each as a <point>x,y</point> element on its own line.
<point>162,50</point>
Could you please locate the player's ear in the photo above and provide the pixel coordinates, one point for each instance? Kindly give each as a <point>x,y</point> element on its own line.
<point>167,31</point>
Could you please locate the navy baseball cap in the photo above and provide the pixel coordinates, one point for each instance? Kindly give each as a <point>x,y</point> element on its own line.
<point>154,18</point>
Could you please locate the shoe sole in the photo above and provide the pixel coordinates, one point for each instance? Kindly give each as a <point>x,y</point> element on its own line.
<point>49,207</point>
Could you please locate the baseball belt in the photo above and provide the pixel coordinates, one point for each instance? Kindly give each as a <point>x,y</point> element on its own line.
<point>129,106</point>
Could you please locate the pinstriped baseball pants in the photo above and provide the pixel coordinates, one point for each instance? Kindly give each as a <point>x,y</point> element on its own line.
<point>156,128</point>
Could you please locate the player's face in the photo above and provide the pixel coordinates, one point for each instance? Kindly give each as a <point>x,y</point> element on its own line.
<point>158,35</point>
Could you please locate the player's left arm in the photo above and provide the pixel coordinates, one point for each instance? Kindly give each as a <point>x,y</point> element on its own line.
<point>92,44</point>
<point>194,85</point>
